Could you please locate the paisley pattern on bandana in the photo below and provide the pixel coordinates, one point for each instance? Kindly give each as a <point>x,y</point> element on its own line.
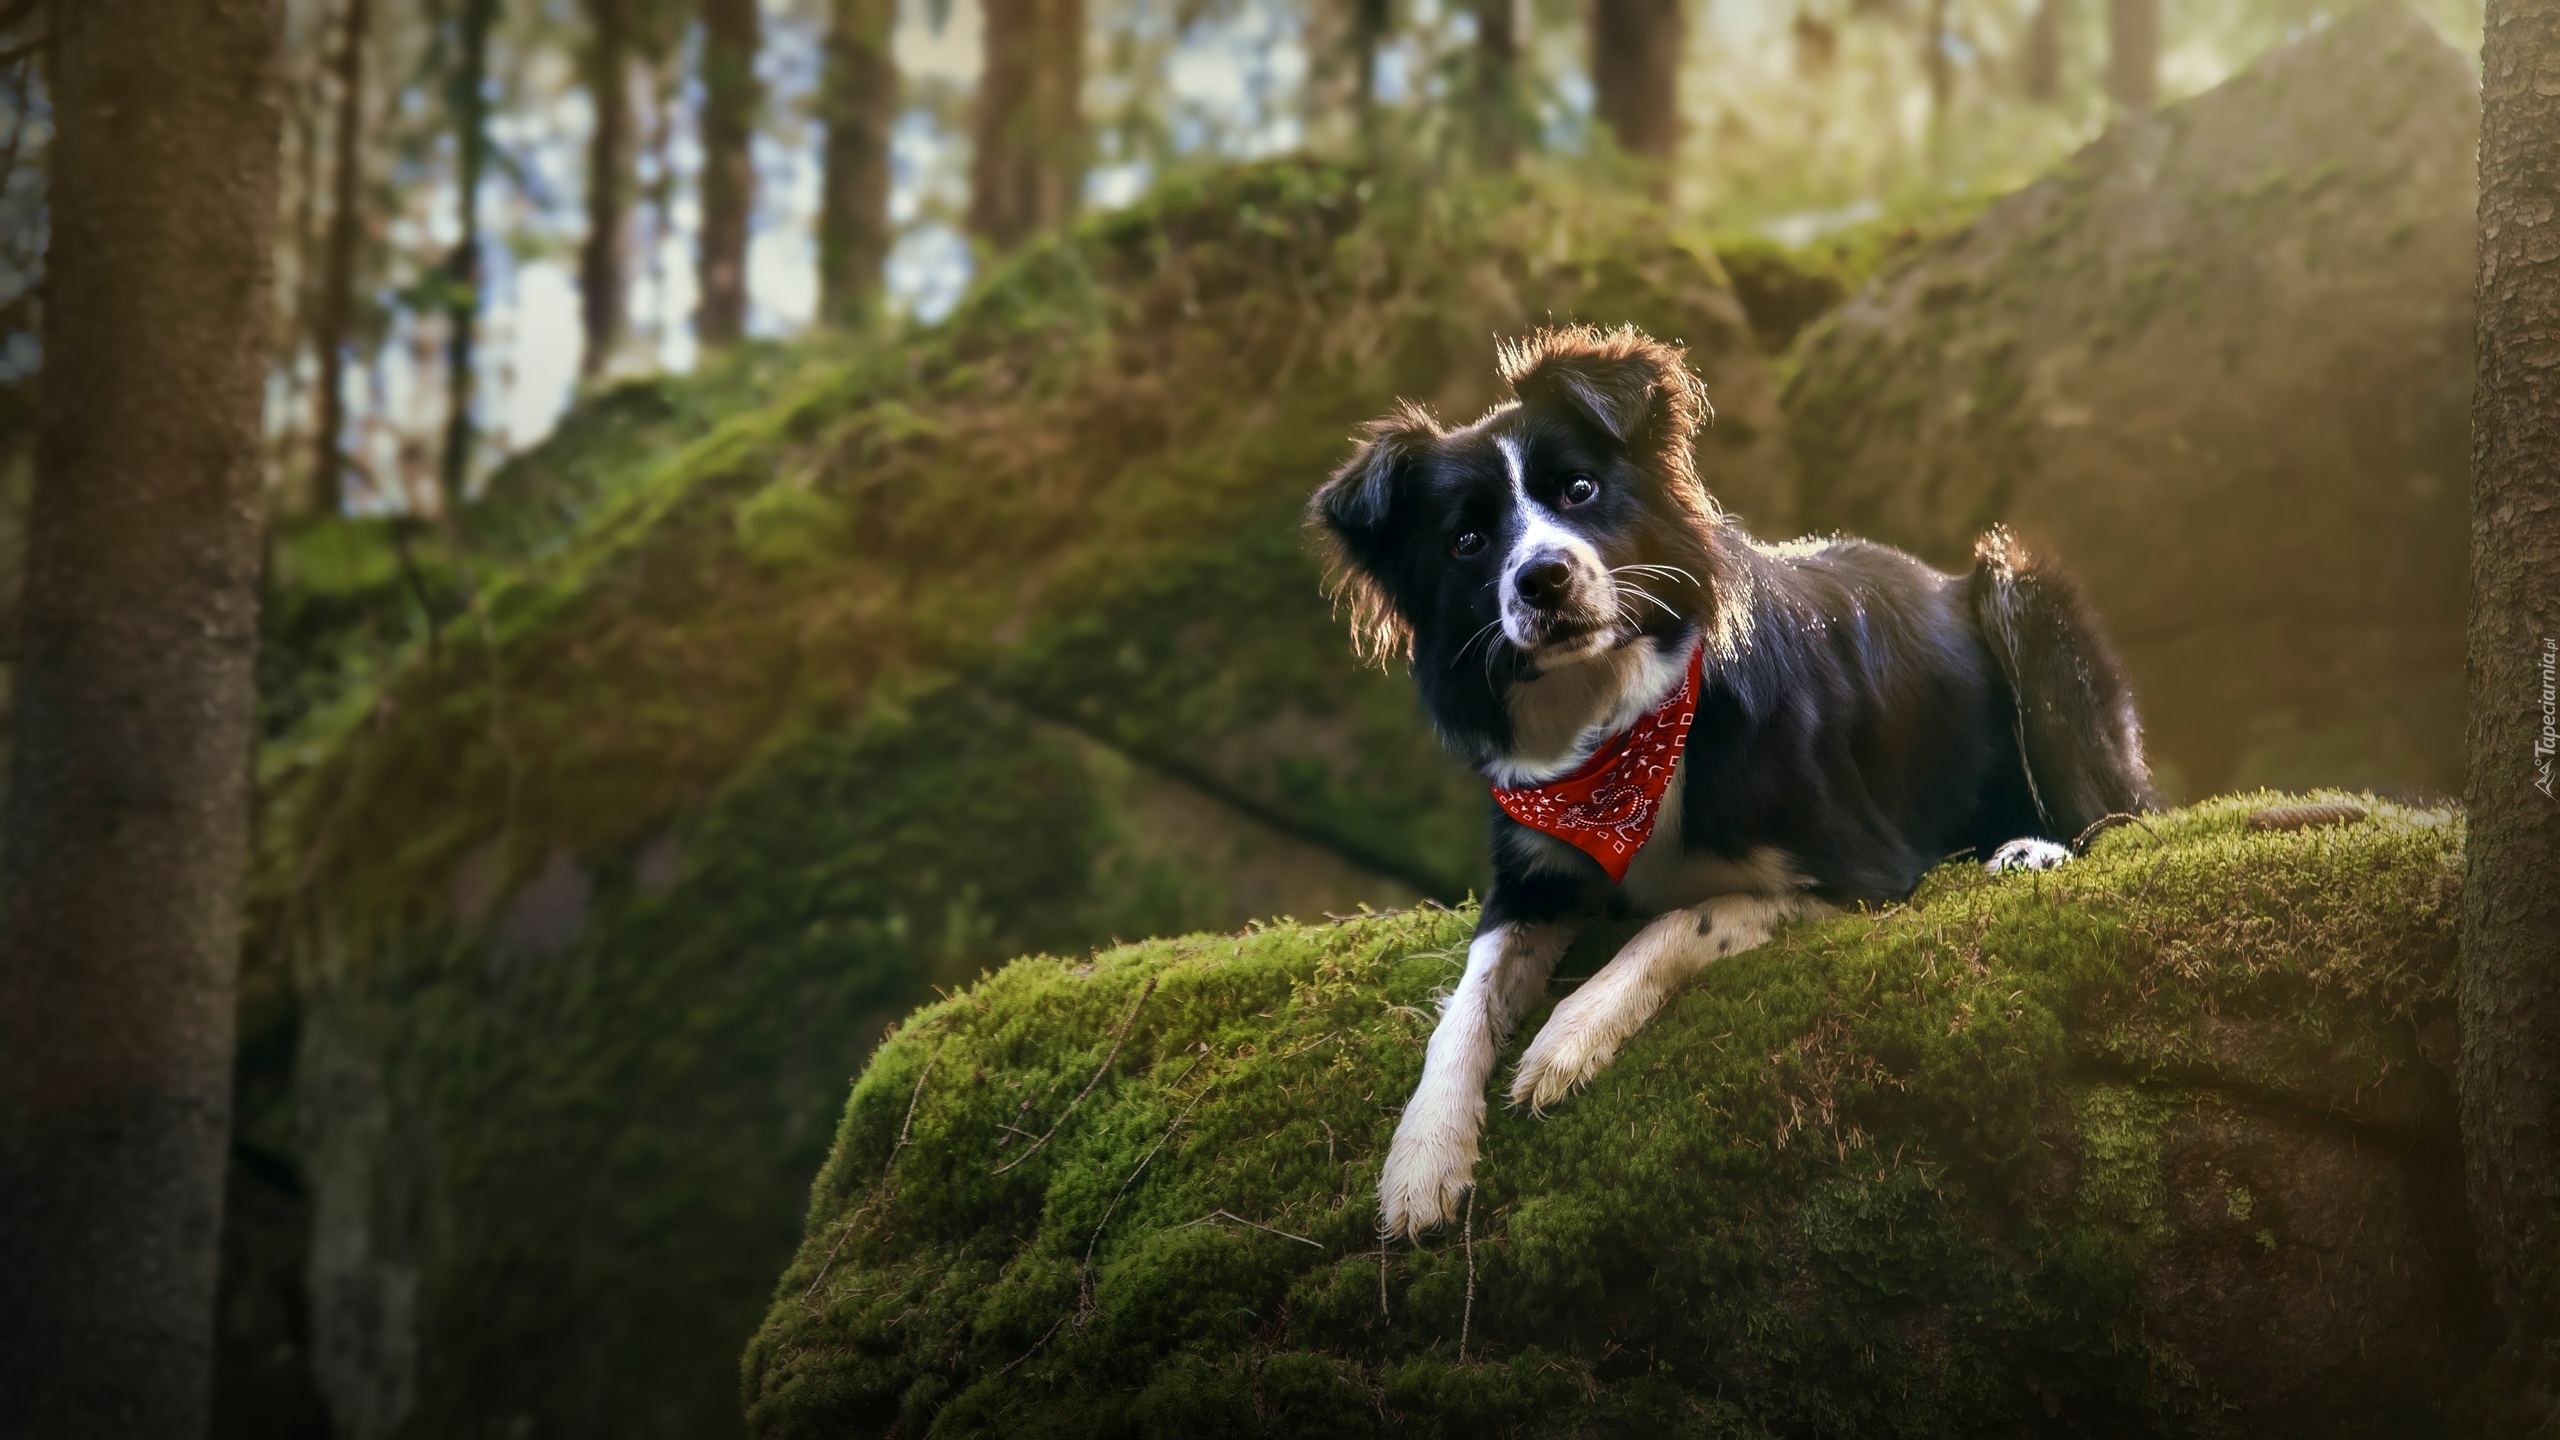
<point>1607,807</point>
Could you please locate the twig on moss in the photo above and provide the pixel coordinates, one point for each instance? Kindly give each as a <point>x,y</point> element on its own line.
<point>1217,1215</point>
<point>1035,1347</point>
<point>1382,1277</point>
<point>1143,1161</point>
<point>1104,1068</point>
<point>844,1232</point>
<point>844,1228</point>
<point>2120,817</point>
<point>1467,1317</point>
<point>909,1125</point>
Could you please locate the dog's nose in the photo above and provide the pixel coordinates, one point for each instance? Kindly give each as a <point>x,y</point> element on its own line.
<point>1542,583</point>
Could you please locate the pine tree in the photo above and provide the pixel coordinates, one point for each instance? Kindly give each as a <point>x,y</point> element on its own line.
<point>731,97</point>
<point>2510,991</point>
<point>334,319</point>
<point>468,104</point>
<point>860,100</point>
<point>604,262</point>
<point>1635,74</point>
<point>1027,167</point>
<point>126,827</point>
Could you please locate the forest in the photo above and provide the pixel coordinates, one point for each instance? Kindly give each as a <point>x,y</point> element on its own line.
<point>679,761</point>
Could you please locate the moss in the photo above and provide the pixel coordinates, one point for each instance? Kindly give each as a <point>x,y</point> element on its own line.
<point>1864,1180</point>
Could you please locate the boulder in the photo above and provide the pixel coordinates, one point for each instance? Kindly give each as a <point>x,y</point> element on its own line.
<point>2219,362</point>
<point>2160,1143</point>
<point>772,701</point>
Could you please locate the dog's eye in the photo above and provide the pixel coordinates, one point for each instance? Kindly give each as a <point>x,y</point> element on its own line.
<point>1468,544</point>
<point>1580,490</point>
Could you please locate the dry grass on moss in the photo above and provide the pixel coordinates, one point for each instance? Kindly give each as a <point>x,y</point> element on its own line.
<point>1814,1195</point>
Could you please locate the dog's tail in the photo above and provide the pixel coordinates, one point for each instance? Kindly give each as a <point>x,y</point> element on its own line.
<point>2077,732</point>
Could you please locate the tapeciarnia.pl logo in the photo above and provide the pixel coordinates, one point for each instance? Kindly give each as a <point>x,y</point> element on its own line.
<point>2549,740</point>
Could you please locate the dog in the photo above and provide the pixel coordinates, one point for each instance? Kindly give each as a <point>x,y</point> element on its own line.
<point>1684,723</point>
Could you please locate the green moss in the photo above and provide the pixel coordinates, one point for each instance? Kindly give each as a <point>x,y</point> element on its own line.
<point>1864,1180</point>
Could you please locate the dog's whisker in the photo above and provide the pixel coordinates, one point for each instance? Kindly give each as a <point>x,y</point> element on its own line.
<point>1664,571</point>
<point>1637,590</point>
<point>1489,627</point>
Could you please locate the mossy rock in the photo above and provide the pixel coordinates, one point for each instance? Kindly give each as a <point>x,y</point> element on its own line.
<point>575,913</point>
<point>2220,362</point>
<point>2156,1144</point>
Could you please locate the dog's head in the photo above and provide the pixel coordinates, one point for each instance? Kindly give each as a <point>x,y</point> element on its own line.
<point>1562,528</point>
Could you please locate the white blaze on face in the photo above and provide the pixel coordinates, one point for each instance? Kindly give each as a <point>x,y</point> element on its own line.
<point>1539,538</point>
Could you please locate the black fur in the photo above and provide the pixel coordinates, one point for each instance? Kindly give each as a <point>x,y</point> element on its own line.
<point>1863,713</point>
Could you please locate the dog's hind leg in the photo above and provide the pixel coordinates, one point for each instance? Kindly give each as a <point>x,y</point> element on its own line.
<point>2076,729</point>
<point>1433,1157</point>
<point>1583,1035</point>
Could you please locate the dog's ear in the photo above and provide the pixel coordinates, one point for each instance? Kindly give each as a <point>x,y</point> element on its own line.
<point>1628,383</point>
<point>1354,511</point>
<point>1356,506</point>
<point>1633,387</point>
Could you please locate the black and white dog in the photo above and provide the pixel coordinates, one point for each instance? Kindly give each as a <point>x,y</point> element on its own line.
<point>1814,724</point>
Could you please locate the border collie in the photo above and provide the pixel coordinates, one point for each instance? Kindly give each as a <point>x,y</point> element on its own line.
<point>1682,722</point>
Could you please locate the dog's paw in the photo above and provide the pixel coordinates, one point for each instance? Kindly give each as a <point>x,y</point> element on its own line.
<point>2028,854</point>
<point>1429,1167</point>
<point>1575,1044</point>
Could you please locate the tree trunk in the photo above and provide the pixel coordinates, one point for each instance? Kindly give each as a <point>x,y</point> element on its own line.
<point>128,796</point>
<point>462,271</point>
<point>1499,117</point>
<point>1027,165</point>
<point>1369,23</point>
<point>1635,74</point>
<point>336,310</point>
<point>2133,52</point>
<point>2040,60</point>
<point>604,265</point>
<point>730,97</point>
<point>861,100</point>
<point>2510,994</point>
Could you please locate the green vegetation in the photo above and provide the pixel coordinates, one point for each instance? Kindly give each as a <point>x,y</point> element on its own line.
<point>1894,1174</point>
<point>599,850</point>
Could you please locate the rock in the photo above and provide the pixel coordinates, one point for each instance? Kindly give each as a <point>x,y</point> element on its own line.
<point>2141,1146</point>
<point>2220,363</point>
<point>838,681</point>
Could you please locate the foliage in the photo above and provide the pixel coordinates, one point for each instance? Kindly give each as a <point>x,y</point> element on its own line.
<point>1892,1174</point>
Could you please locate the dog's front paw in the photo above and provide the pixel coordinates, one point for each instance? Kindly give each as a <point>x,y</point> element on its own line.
<point>1576,1043</point>
<point>1429,1166</point>
<point>2028,854</point>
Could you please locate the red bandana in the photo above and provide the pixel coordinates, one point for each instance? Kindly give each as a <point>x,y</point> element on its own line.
<point>1606,808</point>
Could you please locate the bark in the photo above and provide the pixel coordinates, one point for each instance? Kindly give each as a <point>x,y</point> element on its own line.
<point>861,101</point>
<point>462,270</point>
<point>2133,52</point>
<point>128,799</point>
<point>2040,60</point>
<point>335,317</point>
<point>1635,73</point>
<point>604,265</point>
<point>2510,996</point>
<point>1028,133</point>
<point>730,98</point>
